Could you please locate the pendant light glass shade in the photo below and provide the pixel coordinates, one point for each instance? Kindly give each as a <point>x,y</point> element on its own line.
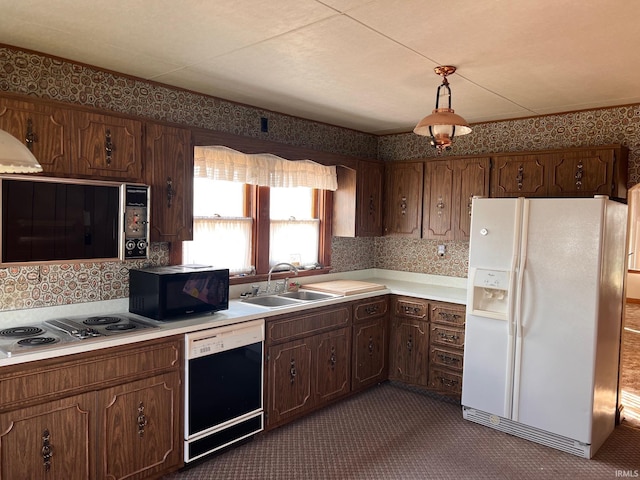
<point>443,124</point>
<point>15,157</point>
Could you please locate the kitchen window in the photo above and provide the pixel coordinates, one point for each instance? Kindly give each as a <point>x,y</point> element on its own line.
<point>251,213</point>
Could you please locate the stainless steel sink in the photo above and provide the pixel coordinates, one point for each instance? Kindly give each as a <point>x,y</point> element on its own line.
<point>271,301</point>
<point>288,299</point>
<point>307,295</point>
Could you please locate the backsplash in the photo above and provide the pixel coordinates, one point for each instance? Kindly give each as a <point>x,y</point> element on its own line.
<point>52,285</point>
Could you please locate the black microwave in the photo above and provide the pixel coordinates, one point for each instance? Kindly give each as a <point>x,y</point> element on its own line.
<point>172,292</point>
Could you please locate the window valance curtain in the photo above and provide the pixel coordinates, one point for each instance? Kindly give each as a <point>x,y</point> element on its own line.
<point>222,163</point>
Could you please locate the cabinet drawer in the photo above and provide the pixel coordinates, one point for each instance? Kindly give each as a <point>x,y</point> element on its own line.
<point>446,381</point>
<point>442,335</point>
<point>370,309</point>
<point>446,358</point>
<point>413,308</point>
<point>447,314</point>
<point>321,320</point>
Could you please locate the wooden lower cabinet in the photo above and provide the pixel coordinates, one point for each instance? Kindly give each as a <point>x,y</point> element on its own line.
<point>109,414</point>
<point>308,361</point>
<point>427,344</point>
<point>139,423</point>
<point>49,441</point>
<point>289,380</point>
<point>409,351</point>
<point>370,346</point>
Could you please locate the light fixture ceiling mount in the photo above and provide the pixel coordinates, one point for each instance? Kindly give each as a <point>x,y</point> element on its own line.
<point>443,124</point>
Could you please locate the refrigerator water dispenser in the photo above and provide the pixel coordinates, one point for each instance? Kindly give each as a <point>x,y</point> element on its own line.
<point>490,293</point>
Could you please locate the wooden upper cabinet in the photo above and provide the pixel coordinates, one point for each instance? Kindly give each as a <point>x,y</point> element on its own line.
<point>519,176</point>
<point>107,147</point>
<point>403,199</point>
<point>357,204</point>
<point>438,200</point>
<point>44,129</point>
<point>169,172</point>
<point>370,180</point>
<point>471,178</point>
<point>583,172</point>
<point>571,172</point>
<point>449,186</point>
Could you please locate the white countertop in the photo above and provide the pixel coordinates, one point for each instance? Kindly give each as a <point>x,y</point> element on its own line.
<point>430,287</point>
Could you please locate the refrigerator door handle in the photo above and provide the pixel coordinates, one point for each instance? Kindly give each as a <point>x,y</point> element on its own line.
<point>518,312</point>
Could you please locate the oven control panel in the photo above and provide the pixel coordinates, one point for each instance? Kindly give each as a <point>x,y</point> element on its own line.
<point>220,339</point>
<point>136,222</point>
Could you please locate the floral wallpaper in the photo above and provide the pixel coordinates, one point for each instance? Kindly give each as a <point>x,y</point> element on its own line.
<point>56,79</point>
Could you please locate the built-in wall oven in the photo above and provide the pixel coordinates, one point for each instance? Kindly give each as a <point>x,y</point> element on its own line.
<point>223,387</point>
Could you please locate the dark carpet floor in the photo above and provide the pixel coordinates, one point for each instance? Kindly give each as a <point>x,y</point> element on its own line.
<point>392,432</point>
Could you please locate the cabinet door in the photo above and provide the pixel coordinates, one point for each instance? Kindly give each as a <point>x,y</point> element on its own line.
<point>409,351</point>
<point>332,362</point>
<point>139,427</point>
<point>370,178</point>
<point>519,176</point>
<point>369,355</point>
<point>107,147</point>
<point>289,380</point>
<point>438,198</point>
<point>403,199</point>
<point>50,441</point>
<point>43,129</point>
<point>471,178</point>
<point>169,171</point>
<point>581,173</point>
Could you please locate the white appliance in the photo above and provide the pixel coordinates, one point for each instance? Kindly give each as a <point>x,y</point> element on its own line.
<point>544,310</point>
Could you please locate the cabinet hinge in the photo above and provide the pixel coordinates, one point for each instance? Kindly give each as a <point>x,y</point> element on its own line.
<point>268,357</point>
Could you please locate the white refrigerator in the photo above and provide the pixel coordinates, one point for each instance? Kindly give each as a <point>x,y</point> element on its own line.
<point>544,312</point>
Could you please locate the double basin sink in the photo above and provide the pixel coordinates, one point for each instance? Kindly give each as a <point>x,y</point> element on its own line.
<point>288,299</point>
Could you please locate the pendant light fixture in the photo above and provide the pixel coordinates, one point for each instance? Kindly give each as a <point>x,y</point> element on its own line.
<point>15,157</point>
<point>443,124</point>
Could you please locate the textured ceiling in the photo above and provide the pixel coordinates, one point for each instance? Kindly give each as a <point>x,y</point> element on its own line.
<point>361,64</point>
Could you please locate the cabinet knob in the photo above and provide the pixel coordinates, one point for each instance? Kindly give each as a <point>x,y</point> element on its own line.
<point>142,419</point>
<point>410,343</point>
<point>108,147</point>
<point>30,137</point>
<point>578,176</point>
<point>520,177</point>
<point>370,346</point>
<point>47,450</point>
<point>292,370</point>
<point>403,205</point>
<point>171,192</point>
<point>332,358</point>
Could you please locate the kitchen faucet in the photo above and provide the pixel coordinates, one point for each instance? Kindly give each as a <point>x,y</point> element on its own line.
<point>291,267</point>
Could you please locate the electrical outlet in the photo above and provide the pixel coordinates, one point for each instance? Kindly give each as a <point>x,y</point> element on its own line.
<point>441,250</point>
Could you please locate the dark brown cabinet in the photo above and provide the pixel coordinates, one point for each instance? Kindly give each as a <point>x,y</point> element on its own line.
<point>94,415</point>
<point>409,341</point>
<point>357,204</point>
<point>403,199</point>
<point>471,178</point>
<point>139,423</point>
<point>370,342</point>
<point>370,181</point>
<point>169,172</point>
<point>106,146</point>
<point>308,361</point>
<point>446,347</point>
<point>48,441</point>
<point>519,176</point>
<point>573,172</point>
<point>44,129</point>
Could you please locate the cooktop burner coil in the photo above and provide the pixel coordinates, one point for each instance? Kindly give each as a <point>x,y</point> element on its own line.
<point>36,341</point>
<point>18,332</point>
<point>121,326</point>
<point>101,320</point>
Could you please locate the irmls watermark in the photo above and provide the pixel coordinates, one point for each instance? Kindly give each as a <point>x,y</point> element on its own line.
<point>627,473</point>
